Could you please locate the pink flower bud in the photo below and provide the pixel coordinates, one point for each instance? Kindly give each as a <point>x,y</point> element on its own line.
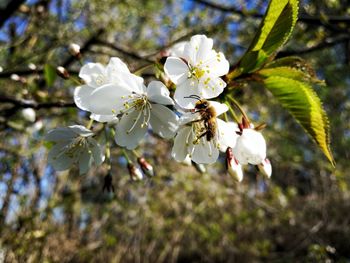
<point>232,165</point>
<point>145,166</point>
<point>135,173</point>
<point>265,168</point>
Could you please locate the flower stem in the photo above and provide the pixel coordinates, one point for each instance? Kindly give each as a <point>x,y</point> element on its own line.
<point>238,107</point>
<point>140,69</point>
<point>136,153</point>
<point>225,117</point>
<point>75,80</point>
<point>126,155</point>
<point>90,124</point>
<point>108,148</point>
<point>234,116</point>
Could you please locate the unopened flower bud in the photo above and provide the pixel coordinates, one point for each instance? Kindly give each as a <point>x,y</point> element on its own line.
<point>74,50</point>
<point>145,166</point>
<point>62,72</point>
<point>24,9</point>
<point>29,114</point>
<point>15,77</point>
<point>40,9</point>
<point>135,173</point>
<point>232,165</point>
<point>265,168</point>
<point>37,126</point>
<point>32,66</point>
<point>250,147</point>
<point>1,69</point>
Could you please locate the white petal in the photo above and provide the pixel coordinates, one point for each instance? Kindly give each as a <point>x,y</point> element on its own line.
<point>104,118</point>
<point>265,168</point>
<point>177,50</point>
<point>96,152</point>
<point>190,54</point>
<point>179,151</point>
<point>235,170</point>
<point>189,117</point>
<point>158,93</point>
<point>60,134</point>
<point>186,89</point>
<point>176,69</point>
<point>250,147</point>
<point>116,66</point>
<point>217,64</point>
<point>108,99</point>
<point>85,162</point>
<point>82,96</point>
<point>211,87</point>
<point>220,108</point>
<point>205,152</point>
<point>81,130</point>
<point>163,121</point>
<point>58,159</point>
<point>118,71</point>
<point>126,138</point>
<point>202,46</point>
<point>227,136</point>
<point>130,81</point>
<point>94,74</point>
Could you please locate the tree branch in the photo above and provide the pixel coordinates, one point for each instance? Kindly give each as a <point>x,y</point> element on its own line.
<point>7,12</point>
<point>123,51</point>
<point>21,103</point>
<point>322,45</point>
<point>84,48</point>
<point>304,18</point>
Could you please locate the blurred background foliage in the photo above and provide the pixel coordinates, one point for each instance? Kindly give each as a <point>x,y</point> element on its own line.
<point>181,215</point>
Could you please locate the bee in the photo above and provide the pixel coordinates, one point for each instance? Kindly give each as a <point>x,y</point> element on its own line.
<point>208,117</point>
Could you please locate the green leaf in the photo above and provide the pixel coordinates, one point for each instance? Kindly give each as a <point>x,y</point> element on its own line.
<point>277,26</point>
<point>49,74</point>
<point>299,65</point>
<point>287,72</point>
<point>275,29</point>
<point>294,91</point>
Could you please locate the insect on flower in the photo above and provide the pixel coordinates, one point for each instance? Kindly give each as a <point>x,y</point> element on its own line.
<point>201,134</point>
<point>208,117</point>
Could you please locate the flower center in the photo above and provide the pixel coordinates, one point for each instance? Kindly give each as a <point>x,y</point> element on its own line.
<point>75,146</point>
<point>140,103</point>
<point>196,72</point>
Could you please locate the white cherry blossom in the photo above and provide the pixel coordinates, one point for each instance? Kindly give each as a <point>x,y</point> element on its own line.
<point>196,70</point>
<point>250,147</point>
<point>96,76</point>
<point>145,108</point>
<point>138,107</point>
<point>73,144</point>
<point>191,139</point>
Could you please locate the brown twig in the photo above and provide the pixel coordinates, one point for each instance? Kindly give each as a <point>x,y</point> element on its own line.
<point>21,103</point>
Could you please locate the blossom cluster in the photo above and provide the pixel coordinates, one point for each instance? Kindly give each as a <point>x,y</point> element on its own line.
<point>189,116</point>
